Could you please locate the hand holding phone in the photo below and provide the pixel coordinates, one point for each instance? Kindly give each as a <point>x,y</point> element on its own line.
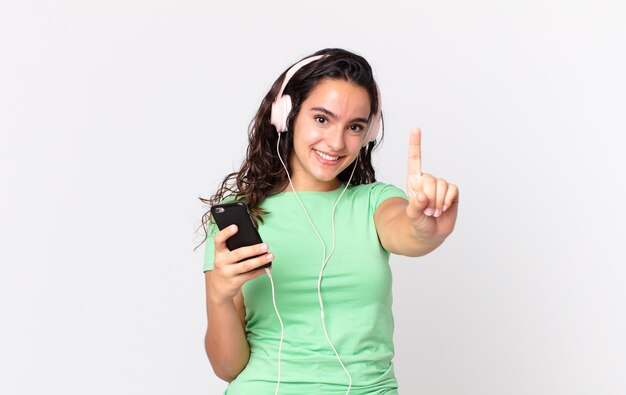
<point>236,213</point>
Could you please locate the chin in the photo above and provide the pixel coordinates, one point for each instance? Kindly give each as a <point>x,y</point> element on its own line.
<point>328,177</point>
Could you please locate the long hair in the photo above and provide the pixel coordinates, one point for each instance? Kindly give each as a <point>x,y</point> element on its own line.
<point>261,172</point>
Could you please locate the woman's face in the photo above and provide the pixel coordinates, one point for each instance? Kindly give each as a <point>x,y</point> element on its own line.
<point>328,134</point>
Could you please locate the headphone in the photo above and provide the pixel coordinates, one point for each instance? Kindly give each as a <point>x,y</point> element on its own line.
<point>281,107</point>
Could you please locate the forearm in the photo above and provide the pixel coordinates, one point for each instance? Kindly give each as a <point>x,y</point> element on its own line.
<point>409,243</point>
<point>398,234</point>
<point>225,342</point>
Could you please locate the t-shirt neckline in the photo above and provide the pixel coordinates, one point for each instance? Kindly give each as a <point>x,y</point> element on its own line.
<point>290,191</point>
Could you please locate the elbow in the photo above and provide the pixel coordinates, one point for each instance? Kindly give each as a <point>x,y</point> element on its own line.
<point>224,366</point>
<point>224,375</point>
<point>223,371</point>
<point>416,248</point>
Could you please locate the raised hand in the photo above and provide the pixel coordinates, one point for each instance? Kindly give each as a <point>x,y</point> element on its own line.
<point>433,202</point>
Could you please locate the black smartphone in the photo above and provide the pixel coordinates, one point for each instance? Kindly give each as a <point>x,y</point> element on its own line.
<point>237,213</point>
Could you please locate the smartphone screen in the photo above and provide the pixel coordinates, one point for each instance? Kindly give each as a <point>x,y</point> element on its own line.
<point>227,214</point>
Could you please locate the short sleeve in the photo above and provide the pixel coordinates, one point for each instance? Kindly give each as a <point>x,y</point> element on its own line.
<point>209,247</point>
<point>381,192</point>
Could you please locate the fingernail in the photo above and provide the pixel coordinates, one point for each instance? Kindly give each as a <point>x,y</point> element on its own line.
<point>445,207</point>
<point>428,211</point>
<point>437,212</point>
<point>233,228</point>
<point>263,247</point>
<point>270,257</point>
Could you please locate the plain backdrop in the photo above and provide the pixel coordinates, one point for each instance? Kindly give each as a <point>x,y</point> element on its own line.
<point>116,116</point>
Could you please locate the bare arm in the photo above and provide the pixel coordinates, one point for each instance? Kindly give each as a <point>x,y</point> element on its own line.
<point>225,341</point>
<point>396,233</point>
<point>416,226</point>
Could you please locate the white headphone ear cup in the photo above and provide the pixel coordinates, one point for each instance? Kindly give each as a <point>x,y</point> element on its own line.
<point>372,131</point>
<point>286,109</point>
<point>280,111</point>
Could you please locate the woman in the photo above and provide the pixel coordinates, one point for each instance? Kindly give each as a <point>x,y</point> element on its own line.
<point>320,321</point>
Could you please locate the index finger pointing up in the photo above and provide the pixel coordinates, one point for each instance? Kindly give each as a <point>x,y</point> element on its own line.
<point>415,152</point>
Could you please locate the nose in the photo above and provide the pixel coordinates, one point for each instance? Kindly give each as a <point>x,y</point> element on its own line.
<point>334,138</point>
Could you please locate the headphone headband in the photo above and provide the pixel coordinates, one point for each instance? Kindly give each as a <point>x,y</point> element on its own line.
<point>282,105</point>
<point>293,70</point>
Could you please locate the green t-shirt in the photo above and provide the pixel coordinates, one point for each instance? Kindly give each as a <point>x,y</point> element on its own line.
<point>356,291</point>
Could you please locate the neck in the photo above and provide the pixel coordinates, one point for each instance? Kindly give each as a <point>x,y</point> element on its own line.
<point>300,186</point>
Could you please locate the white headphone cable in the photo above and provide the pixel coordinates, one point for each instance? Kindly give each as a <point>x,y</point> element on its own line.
<point>324,262</point>
<point>282,327</point>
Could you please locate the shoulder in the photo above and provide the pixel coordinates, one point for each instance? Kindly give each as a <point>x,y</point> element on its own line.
<point>229,198</point>
<point>377,192</point>
<point>375,186</point>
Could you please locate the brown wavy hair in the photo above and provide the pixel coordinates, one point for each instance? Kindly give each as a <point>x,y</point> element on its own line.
<point>261,173</point>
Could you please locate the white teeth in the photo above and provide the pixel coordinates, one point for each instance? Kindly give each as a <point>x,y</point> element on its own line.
<point>324,156</point>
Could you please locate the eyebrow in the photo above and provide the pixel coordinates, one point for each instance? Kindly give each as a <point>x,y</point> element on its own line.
<point>334,116</point>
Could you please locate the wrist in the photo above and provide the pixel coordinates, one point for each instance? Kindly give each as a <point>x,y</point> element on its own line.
<point>427,239</point>
<point>219,301</point>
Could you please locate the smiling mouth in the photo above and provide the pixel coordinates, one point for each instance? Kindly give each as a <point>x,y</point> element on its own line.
<point>325,156</point>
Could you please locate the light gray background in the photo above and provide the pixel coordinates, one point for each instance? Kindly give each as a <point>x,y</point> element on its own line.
<point>115,116</point>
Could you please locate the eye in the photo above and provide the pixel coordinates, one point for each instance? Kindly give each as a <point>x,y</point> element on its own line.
<point>357,128</point>
<point>320,119</point>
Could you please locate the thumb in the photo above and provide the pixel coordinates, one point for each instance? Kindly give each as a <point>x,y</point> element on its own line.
<point>417,203</point>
